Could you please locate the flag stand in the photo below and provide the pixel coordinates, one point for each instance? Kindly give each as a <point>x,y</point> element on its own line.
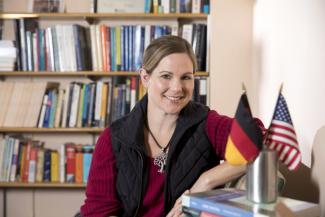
<point>261,179</point>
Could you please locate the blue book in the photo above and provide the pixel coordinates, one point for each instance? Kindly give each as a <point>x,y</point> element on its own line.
<point>47,166</point>
<point>113,49</point>
<point>53,108</point>
<point>122,48</point>
<point>92,96</point>
<point>147,6</point>
<point>233,203</point>
<point>126,48</point>
<point>41,60</point>
<point>131,47</point>
<point>76,36</point>
<point>85,105</point>
<point>87,156</point>
<point>48,109</point>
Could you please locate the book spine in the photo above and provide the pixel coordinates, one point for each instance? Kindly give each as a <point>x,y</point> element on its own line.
<point>54,166</point>
<point>213,207</point>
<point>47,166</point>
<point>40,165</point>
<point>62,163</point>
<point>79,165</point>
<point>71,165</point>
<point>14,160</point>
<point>32,165</point>
<point>88,149</point>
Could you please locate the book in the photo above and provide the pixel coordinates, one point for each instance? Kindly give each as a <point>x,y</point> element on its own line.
<point>87,157</point>
<point>121,6</point>
<point>70,152</point>
<point>233,203</point>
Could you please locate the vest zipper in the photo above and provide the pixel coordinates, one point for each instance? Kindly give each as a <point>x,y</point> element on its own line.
<point>140,195</point>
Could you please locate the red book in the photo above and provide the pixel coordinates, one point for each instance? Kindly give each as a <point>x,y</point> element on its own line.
<point>25,168</point>
<point>70,151</point>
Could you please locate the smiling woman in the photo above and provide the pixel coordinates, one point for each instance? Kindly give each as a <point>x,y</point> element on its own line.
<point>166,146</point>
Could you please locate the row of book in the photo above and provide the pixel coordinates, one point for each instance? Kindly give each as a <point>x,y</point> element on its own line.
<point>26,160</point>
<point>76,104</point>
<point>97,47</point>
<point>176,6</point>
<point>152,6</point>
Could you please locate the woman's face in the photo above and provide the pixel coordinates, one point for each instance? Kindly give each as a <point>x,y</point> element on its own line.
<point>170,85</point>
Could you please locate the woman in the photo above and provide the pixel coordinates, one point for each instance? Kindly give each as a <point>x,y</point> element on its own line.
<point>165,146</point>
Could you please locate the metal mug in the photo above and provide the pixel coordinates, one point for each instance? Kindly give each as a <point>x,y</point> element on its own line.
<point>262,182</point>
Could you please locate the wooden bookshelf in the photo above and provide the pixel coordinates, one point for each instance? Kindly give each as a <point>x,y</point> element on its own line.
<point>79,74</point>
<point>41,185</point>
<point>49,130</point>
<point>103,15</point>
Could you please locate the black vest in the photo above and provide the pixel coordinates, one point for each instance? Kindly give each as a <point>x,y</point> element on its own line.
<point>189,155</point>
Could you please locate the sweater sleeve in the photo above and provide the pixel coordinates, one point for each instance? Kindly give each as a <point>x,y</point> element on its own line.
<point>101,196</point>
<point>218,128</point>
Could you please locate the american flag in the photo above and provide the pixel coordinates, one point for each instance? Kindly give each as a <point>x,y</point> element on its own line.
<point>282,137</point>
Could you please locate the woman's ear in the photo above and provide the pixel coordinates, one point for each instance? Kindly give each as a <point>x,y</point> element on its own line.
<point>145,77</point>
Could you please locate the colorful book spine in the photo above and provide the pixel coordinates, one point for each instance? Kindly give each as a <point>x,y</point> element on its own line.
<point>87,157</point>
<point>79,164</point>
<point>214,207</point>
<point>54,166</point>
<point>40,165</point>
<point>47,166</point>
<point>32,165</point>
<point>71,163</point>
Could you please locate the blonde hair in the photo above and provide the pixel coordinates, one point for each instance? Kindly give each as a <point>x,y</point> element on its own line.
<point>164,46</point>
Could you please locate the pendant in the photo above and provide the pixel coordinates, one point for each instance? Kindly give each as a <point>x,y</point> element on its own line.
<point>160,161</point>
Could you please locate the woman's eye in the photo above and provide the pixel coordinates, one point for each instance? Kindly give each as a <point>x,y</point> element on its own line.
<point>166,76</point>
<point>187,78</point>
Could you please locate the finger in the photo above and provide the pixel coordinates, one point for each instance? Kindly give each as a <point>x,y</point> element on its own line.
<point>171,212</point>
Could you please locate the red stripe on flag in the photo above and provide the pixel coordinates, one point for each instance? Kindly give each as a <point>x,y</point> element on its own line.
<point>281,142</point>
<point>288,153</point>
<point>273,125</point>
<point>293,159</point>
<point>283,135</point>
<point>242,142</point>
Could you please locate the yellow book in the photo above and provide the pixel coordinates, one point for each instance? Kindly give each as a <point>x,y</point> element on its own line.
<point>40,165</point>
<point>54,166</point>
<point>118,47</point>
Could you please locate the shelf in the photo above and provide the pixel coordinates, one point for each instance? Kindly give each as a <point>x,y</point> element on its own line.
<point>40,185</point>
<point>49,130</point>
<point>79,74</point>
<point>103,15</point>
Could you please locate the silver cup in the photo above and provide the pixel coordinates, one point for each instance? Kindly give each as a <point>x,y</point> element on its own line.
<point>261,183</point>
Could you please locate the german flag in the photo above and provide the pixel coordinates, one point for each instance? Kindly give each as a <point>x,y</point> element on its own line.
<point>245,138</point>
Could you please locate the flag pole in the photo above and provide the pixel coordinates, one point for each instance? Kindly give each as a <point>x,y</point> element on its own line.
<point>268,129</point>
<point>243,87</point>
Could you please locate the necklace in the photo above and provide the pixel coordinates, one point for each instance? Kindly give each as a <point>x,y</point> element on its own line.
<point>161,159</point>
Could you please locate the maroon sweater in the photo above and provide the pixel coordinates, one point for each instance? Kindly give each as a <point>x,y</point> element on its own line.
<point>102,198</point>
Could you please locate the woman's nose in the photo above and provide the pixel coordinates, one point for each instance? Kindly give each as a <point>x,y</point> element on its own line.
<point>176,85</point>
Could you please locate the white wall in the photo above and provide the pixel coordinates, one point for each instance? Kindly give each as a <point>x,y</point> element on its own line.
<point>289,47</point>
<point>230,26</point>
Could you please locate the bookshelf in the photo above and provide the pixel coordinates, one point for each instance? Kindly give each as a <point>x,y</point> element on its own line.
<point>42,185</point>
<point>49,130</point>
<point>78,74</point>
<point>79,134</point>
<point>119,16</point>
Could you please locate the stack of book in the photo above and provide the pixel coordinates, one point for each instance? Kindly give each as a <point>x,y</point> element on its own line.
<point>233,203</point>
<point>7,55</point>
